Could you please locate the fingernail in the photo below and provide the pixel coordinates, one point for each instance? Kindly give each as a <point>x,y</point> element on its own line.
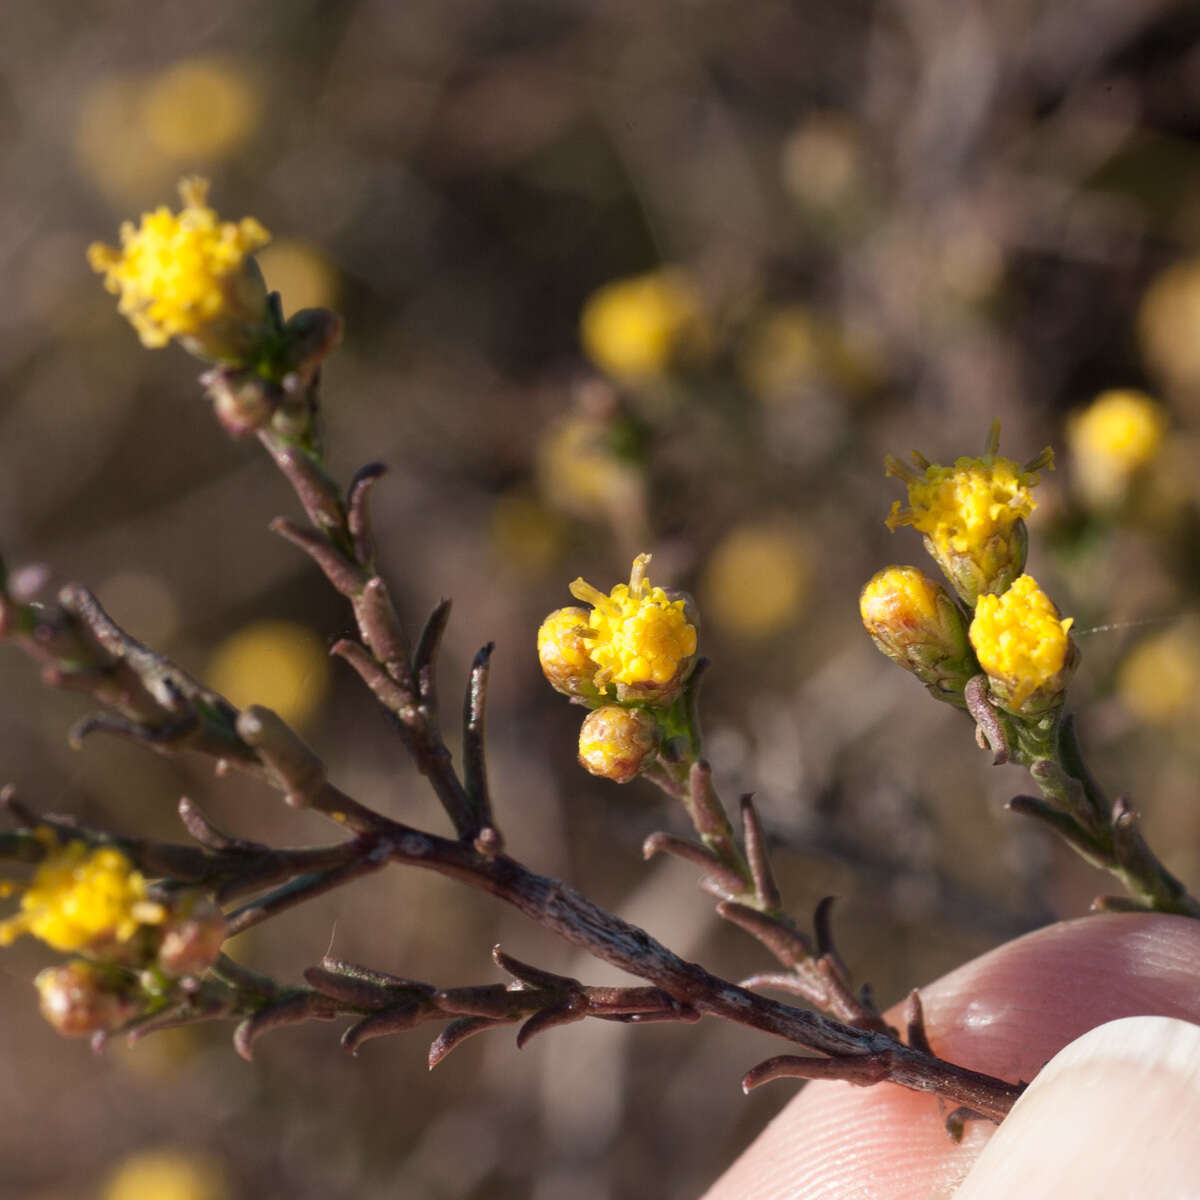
<point>1113,1114</point>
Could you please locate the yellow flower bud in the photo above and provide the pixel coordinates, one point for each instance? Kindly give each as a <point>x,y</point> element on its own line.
<point>916,623</point>
<point>80,998</point>
<point>616,743</point>
<point>564,654</point>
<point>972,515</point>
<point>1024,647</point>
<point>189,276</point>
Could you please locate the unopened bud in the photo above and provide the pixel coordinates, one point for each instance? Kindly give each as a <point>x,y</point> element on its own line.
<point>616,743</point>
<point>916,623</point>
<point>564,654</point>
<point>242,401</point>
<point>80,998</point>
<point>192,936</point>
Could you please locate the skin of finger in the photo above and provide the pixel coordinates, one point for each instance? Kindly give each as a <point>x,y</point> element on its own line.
<point>1006,1013</point>
<point>1114,1114</point>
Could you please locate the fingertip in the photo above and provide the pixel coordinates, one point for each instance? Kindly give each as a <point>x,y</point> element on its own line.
<point>1112,1114</point>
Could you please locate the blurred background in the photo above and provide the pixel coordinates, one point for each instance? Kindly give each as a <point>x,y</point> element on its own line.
<point>617,277</point>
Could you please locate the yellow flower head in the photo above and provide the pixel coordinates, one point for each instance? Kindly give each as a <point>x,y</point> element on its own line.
<point>639,638</point>
<point>915,622</point>
<point>615,742</point>
<point>188,276</point>
<point>633,328</point>
<point>1111,440</point>
<point>1024,647</point>
<point>83,899</point>
<point>972,515</point>
<point>167,1174</point>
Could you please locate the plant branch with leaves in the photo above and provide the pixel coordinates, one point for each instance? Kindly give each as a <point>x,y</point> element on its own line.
<point>145,921</point>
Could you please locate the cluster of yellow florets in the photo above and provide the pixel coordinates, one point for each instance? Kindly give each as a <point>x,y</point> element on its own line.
<point>637,635</point>
<point>94,902</point>
<point>185,275</point>
<point>1023,646</point>
<point>966,504</point>
<point>82,899</point>
<point>972,515</point>
<point>636,646</point>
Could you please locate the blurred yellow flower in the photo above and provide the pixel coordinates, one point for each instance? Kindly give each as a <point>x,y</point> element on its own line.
<point>638,636</point>
<point>1024,646</point>
<point>186,276</point>
<point>279,664</point>
<point>756,580</point>
<point>791,346</point>
<point>580,471</point>
<point>782,350</point>
<point>635,328</point>
<point>524,533</point>
<point>196,109</point>
<point>167,1175</point>
<point>1159,680</point>
<point>1169,324</point>
<point>81,899</point>
<point>110,115</point>
<point>972,515</point>
<point>199,108</point>
<point>1111,440</point>
<point>300,273</point>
